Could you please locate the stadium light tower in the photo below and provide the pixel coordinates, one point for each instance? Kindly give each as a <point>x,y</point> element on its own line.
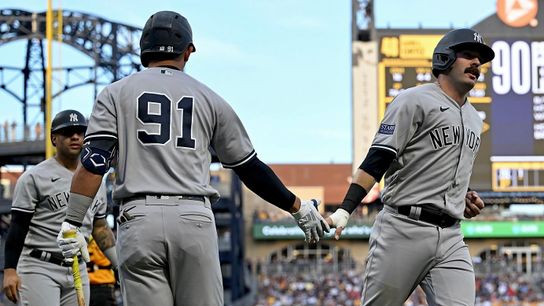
<point>362,20</point>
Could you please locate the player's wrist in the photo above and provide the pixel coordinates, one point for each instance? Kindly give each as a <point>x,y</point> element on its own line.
<point>296,206</point>
<point>111,255</point>
<point>10,270</point>
<point>78,205</point>
<point>356,193</point>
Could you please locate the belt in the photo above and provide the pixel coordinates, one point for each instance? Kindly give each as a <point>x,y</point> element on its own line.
<point>163,197</point>
<point>427,214</point>
<point>56,258</point>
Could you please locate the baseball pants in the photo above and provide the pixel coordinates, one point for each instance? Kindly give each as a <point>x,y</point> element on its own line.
<point>168,253</point>
<point>48,284</point>
<point>405,253</point>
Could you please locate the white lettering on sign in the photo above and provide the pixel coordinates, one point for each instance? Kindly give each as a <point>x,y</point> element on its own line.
<point>518,67</point>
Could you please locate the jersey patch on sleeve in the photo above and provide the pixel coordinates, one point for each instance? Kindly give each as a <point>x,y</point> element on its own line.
<point>386,129</point>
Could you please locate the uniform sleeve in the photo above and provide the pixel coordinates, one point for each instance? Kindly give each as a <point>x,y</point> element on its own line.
<point>230,140</point>
<point>401,121</point>
<point>103,120</point>
<point>26,194</point>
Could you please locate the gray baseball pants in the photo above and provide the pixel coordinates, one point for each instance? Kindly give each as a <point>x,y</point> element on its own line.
<point>404,253</point>
<point>48,284</point>
<point>168,253</point>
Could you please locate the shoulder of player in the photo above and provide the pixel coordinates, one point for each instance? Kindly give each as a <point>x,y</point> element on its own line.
<point>419,94</point>
<point>41,168</point>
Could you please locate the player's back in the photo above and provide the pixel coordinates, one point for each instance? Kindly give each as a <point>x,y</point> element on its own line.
<point>165,122</point>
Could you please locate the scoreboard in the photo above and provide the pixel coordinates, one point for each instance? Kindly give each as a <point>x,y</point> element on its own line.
<point>509,97</point>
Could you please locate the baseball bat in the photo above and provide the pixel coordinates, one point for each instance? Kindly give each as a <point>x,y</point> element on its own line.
<point>75,271</point>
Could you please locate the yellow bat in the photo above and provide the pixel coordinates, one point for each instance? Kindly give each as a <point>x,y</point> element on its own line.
<point>75,272</point>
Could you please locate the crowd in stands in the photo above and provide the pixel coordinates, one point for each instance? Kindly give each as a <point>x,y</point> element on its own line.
<point>289,283</point>
<point>12,132</point>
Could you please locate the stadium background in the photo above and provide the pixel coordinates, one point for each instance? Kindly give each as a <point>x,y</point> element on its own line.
<point>264,259</point>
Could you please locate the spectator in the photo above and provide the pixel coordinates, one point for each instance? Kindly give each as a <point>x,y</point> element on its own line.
<point>38,131</point>
<point>13,130</point>
<point>6,131</point>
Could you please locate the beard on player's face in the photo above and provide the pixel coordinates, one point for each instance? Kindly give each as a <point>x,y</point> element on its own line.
<point>462,73</point>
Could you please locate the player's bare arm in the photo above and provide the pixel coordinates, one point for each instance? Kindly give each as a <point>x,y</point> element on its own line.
<point>473,204</point>
<point>102,234</point>
<point>85,182</point>
<point>105,240</point>
<point>85,185</point>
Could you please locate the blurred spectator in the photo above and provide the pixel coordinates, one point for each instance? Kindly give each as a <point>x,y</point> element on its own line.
<point>6,131</point>
<point>13,131</point>
<point>38,131</point>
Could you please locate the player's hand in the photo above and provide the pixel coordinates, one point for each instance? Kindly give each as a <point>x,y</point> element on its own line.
<point>473,204</point>
<point>71,247</point>
<point>12,284</point>
<point>338,219</point>
<point>310,221</point>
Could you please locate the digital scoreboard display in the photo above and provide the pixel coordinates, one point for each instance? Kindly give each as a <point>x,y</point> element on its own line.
<point>509,97</point>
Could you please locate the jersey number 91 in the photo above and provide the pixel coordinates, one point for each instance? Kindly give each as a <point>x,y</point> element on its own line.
<point>155,109</point>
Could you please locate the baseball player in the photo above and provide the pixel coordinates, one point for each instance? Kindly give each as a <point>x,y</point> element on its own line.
<point>36,272</point>
<point>426,145</point>
<point>161,123</point>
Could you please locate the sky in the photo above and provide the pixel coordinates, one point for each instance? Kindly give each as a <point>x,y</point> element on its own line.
<point>284,65</point>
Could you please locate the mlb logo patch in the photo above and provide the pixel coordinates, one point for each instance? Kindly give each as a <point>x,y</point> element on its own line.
<point>387,129</point>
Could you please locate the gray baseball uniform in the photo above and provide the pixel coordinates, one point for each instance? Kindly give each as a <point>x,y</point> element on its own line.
<point>435,141</point>
<point>164,123</point>
<point>43,191</point>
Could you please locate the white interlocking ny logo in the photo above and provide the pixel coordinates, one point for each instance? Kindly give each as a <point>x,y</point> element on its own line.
<point>478,37</point>
<point>73,117</point>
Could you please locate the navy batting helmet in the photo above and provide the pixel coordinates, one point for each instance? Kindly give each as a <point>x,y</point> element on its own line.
<point>68,118</point>
<point>165,32</point>
<point>458,40</point>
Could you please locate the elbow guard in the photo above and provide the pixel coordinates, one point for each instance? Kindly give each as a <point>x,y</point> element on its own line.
<point>98,152</point>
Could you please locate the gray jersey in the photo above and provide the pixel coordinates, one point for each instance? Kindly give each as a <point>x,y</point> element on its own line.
<point>165,122</point>
<point>435,141</point>
<point>43,191</point>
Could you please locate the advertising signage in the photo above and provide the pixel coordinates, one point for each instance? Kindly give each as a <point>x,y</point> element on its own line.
<point>471,229</point>
<point>509,94</point>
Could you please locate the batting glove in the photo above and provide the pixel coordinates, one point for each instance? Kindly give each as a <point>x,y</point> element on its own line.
<point>71,247</point>
<point>310,221</point>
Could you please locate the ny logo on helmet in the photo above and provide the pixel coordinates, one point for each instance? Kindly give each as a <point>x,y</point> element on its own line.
<point>478,38</point>
<point>73,117</point>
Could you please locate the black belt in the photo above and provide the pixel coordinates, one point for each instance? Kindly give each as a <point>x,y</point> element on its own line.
<point>428,215</point>
<point>163,196</point>
<point>56,258</point>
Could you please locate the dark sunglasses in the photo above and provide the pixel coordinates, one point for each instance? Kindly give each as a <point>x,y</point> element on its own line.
<point>69,131</point>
